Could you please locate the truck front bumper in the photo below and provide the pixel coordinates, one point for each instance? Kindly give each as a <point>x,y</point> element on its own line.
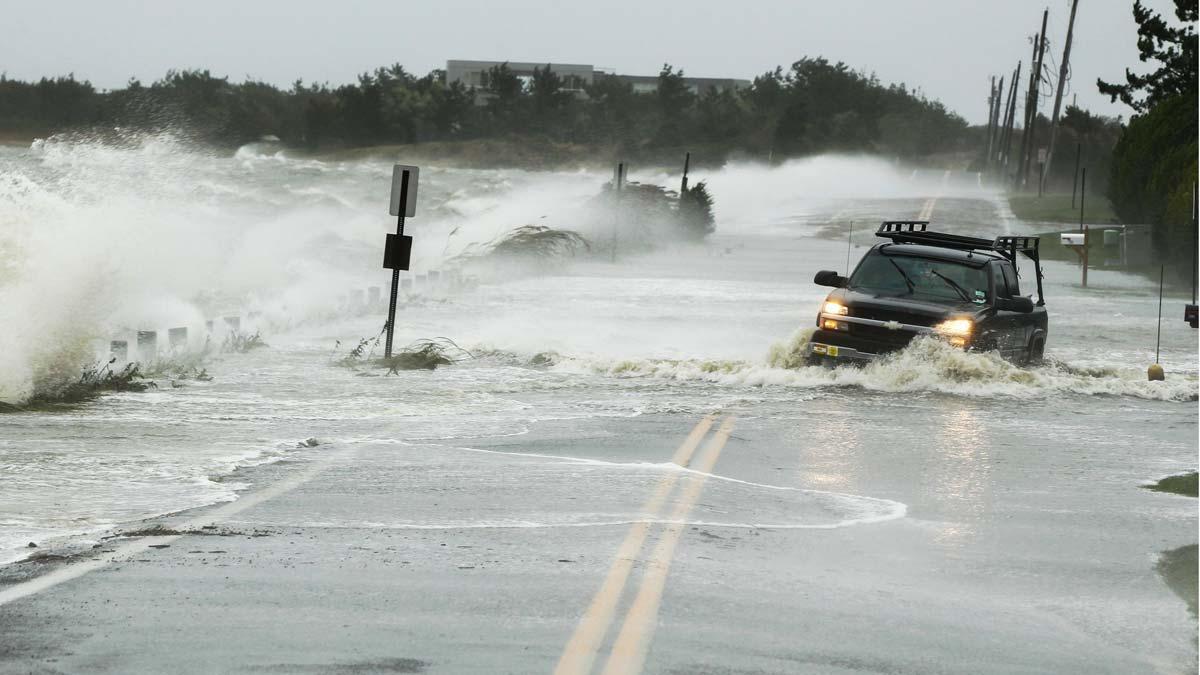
<point>820,351</point>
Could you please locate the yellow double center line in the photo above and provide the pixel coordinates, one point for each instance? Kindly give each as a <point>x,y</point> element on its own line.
<point>633,641</point>
<point>927,209</point>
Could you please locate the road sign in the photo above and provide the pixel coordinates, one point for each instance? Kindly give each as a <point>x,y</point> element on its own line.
<point>1041,156</point>
<point>398,178</point>
<point>397,252</point>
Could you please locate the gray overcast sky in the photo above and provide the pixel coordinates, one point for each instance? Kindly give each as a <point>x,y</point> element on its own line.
<point>947,48</point>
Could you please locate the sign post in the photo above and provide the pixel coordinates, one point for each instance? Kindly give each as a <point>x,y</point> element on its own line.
<point>397,252</point>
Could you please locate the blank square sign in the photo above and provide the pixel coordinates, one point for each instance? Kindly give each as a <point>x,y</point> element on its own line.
<point>397,176</point>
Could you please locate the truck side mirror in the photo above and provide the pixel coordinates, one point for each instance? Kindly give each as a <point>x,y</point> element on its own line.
<point>830,278</point>
<point>1018,304</point>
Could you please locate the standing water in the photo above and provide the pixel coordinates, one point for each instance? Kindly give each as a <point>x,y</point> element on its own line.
<point>99,241</point>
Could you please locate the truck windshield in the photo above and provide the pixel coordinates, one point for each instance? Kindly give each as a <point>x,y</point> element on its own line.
<point>938,280</point>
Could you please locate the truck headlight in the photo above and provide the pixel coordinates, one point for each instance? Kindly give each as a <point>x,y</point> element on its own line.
<point>957,328</point>
<point>836,308</point>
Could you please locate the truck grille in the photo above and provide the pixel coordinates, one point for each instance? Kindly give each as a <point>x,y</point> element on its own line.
<point>880,334</point>
<point>891,315</point>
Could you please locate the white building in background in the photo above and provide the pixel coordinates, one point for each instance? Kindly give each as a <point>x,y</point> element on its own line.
<point>576,77</point>
<point>474,74</point>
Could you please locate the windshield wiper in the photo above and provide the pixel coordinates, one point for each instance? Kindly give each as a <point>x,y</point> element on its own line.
<point>962,292</point>
<point>908,282</point>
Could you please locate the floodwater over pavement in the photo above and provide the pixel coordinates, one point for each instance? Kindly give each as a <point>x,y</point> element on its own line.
<point>514,512</point>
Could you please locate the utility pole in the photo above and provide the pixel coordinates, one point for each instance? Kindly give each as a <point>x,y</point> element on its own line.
<point>1025,116</point>
<point>1062,80</point>
<point>991,130</point>
<point>683,185</point>
<point>1010,117</point>
<point>1031,103</point>
<point>1075,179</point>
<point>994,140</point>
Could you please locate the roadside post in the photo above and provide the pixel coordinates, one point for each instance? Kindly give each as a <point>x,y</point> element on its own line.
<point>1075,179</point>
<point>1041,159</point>
<point>1082,193</point>
<point>397,251</point>
<point>618,180</point>
<point>1155,372</point>
<point>1079,242</point>
<point>1190,314</point>
<point>119,350</point>
<point>147,344</point>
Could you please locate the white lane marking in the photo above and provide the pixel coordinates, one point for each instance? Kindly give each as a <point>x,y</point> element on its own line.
<point>123,551</point>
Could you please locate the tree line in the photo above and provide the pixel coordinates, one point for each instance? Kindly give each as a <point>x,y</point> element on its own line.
<point>813,106</point>
<point>1154,163</point>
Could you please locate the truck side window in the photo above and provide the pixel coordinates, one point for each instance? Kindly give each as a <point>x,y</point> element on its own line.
<point>1010,280</point>
<point>999,283</point>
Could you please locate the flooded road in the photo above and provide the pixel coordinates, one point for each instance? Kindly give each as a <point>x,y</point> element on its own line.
<point>524,509</point>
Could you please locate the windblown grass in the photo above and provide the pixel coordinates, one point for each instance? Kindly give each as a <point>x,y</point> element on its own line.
<point>241,343</point>
<point>185,366</point>
<point>94,381</point>
<point>426,354</point>
<point>528,242</point>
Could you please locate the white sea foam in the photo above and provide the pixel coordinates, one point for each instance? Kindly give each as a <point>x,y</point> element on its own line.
<point>927,365</point>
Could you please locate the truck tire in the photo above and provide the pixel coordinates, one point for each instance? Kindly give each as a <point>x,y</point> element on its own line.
<point>1037,350</point>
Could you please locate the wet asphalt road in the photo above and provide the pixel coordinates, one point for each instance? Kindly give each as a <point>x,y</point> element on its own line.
<point>977,577</point>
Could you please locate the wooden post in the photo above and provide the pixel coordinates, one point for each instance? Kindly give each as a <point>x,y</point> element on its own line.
<point>617,180</point>
<point>1075,180</point>
<point>1195,246</point>
<point>1062,78</point>
<point>1082,193</point>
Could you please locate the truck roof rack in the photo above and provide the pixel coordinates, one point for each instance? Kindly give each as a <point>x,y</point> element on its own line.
<point>917,232</point>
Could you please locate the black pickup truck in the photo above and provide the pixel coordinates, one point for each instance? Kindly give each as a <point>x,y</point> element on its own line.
<point>964,290</point>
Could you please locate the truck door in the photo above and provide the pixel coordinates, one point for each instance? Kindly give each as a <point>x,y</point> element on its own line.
<point>1011,326</point>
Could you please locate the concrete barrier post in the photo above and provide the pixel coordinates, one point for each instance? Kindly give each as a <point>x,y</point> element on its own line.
<point>147,343</point>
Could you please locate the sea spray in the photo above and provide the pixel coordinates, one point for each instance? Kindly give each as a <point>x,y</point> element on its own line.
<point>927,365</point>
<point>792,353</point>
